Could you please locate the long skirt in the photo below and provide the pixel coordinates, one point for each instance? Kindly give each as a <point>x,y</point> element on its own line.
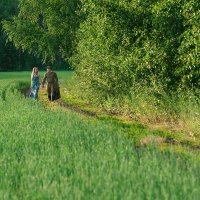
<point>34,92</point>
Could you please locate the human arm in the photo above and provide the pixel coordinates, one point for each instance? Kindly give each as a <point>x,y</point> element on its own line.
<point>44,80</point>
<point>55,77</point>
<point>31,80</point>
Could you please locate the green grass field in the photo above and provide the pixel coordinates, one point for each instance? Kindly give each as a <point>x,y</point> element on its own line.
<point>48,154</point>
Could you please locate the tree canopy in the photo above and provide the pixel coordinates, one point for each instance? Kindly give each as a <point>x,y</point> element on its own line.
<point>10,57</point>
<point>114,45</point>
<point>45,28</point>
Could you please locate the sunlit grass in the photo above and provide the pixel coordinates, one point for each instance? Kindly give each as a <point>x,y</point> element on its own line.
<point>176,111</point>
<point>57,155</point>
<point>25,75</point>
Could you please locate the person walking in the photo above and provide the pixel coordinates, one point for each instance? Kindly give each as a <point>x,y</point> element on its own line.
<point>35,83</point>
<point>51,79</point>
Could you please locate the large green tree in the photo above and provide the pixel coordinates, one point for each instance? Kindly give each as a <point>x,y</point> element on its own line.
<point>189,50</point>
<point>45,28</point>
<point>123,43</point>
<point>10,57</point>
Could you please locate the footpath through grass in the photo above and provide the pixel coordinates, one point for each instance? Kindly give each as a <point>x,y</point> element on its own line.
<point>181,128</point>
<point>47,154</point>
<point>177,111</point>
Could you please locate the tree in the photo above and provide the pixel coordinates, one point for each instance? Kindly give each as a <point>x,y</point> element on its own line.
<point>114,45</point>
<point>125,43</point>
<point>189,54</point>
<point>11,58</point>
<point>8,54</point>
<point>45,28</point>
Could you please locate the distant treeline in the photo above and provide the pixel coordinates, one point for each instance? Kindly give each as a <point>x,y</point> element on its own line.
<point>114,45</point>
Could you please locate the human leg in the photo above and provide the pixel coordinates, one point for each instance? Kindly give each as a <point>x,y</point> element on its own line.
<point>49,91</point>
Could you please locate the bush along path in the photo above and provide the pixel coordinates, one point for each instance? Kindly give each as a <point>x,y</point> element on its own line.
<point>141,134</point>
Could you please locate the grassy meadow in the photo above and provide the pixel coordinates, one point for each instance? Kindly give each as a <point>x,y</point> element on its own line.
<point>48,154</point>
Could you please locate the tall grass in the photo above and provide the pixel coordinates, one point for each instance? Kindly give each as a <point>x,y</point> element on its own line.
<point>59,155</point>
<point>177,109</point>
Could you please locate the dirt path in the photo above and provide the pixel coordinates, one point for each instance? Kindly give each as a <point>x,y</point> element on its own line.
<point>61,103</point>
<point>145,141</point>
<point>75,109</point>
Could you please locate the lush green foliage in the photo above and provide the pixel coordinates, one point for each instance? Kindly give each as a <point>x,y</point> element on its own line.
<point>189,53</point>
<point>136,58</point>
<point>10,58</point>
<point>45,28</point>
<point>148,42</point>
<point>115,44</point>
<point>58,155</point>
<point>8,54</point>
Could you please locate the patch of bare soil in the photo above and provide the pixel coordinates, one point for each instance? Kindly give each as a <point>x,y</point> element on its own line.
<point>75,109</point>
<point>149,140</point>
<point>152,140</point>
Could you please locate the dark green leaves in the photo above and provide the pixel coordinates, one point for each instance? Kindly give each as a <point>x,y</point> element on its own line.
<point>45,28</point>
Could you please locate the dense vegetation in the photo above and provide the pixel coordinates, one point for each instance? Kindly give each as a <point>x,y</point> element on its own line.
<point>115,45</point>
<point>45,28</point>
<point>10,58</point>
<point>151,43</point>
<point>59,155</point>
<point>133,58</point>
<point>138,58</point>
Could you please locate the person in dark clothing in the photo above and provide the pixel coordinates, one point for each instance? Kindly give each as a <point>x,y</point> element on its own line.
<point>51,79</point>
